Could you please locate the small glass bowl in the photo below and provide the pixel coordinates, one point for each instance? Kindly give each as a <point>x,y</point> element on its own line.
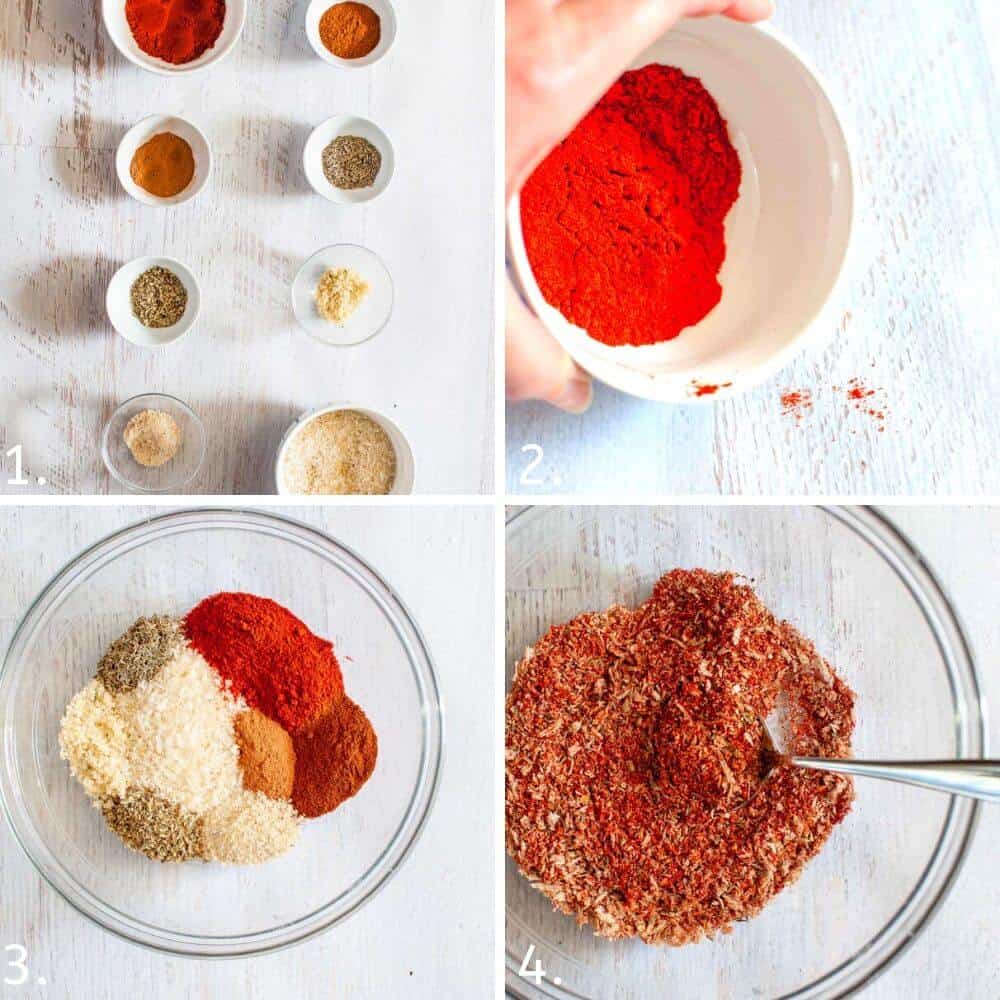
<point>368,320</point>
<point>170,477</point>
<point>166,564</point>
<point>859,589</point>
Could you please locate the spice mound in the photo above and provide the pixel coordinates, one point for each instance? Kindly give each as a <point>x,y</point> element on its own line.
<point>340,452</point>
<point>176,31</point>
<point>153,437</point>
<point>158,298</point>
<point>350,162</point>
<point>641,794</point>
<point>624,220</point>
<point>213,736</point>
<point>339,293</point>
<point>350,30</point>
<point>164,165</point>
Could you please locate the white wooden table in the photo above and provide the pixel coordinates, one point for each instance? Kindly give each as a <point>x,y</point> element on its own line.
<point>917,317</point>
<point>67,97</point>
<point>430,932</point>
<point>616,556</point>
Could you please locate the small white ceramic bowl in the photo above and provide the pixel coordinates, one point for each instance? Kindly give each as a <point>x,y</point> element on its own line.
<point>170,477</point>
<point>141,133</point>
<point>787,236</point>
<point>387,15</point>
<point>118,302</point>
<point>369,318</point>
<point>323,134</point>
<point>405,465</point>
<point>116,24</point>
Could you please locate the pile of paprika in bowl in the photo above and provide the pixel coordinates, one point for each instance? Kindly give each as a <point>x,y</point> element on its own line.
<point>174,36</point>
<point>686,239</point>
<point>168,564</point>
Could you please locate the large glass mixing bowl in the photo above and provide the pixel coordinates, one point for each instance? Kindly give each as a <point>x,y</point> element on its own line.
<point>166,564</point>
<point>854,585</point>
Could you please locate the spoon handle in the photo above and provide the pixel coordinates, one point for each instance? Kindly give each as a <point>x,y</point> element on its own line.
<point>978,779</point>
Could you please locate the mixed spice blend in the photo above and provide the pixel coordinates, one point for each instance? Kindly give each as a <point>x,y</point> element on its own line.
<point>642,796</point>
<point>213,736</point>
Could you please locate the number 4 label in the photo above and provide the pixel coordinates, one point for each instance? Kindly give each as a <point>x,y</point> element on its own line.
<point>537,973</point>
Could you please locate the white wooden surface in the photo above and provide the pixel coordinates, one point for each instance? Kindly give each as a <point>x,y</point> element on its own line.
<point>66,98</point>
<point>429,933</point>
<point>863,619</point>
<point>918,84</point>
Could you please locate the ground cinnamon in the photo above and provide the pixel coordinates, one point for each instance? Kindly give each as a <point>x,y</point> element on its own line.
<point>350,30</point>
<point>267,757</point>
<point>163,166</point>
<point>335,756</point>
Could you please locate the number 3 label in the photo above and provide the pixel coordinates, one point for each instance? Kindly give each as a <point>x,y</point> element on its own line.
<point>19,963</point>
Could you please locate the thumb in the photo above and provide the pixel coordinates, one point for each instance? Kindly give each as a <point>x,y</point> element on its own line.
<point>537,366</point>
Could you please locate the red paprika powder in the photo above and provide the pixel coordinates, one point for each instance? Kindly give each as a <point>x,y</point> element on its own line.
<point>177,31</point>
<point>268,656</point>
<point>624,220</point>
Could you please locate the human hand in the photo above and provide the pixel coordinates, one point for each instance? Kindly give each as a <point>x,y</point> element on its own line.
<point>562,56</point>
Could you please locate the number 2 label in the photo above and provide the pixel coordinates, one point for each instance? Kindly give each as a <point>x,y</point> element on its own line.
<point>526,476</point>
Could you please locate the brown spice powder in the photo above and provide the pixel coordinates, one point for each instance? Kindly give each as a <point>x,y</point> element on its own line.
<point>267,757</point>
<point>335,756</point>
<point>635,797</point>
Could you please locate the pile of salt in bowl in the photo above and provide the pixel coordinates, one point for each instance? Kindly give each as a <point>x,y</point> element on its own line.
<point>213,736</point>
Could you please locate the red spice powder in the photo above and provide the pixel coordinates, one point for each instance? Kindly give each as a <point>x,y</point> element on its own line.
<point>796,402</point>
<point>267,655</point>
<point>624,221</point>
<point>640,795</point>
<point>858,392</point>
<point>708,390</point>
<point>177,31</point>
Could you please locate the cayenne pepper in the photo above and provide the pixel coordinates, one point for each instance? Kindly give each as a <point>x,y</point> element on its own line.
<point>335,756</point>
<point>641,794</point>
<point>176,31</point>
<point>624,220</point>
<point>267,655</point>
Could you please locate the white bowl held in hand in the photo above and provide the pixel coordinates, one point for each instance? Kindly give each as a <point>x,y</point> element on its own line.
<point>387,16</point>
<point>323,135</point>
<point>141,133</point>
<point>787,236</point>
<point>119,303</point>
<point>367,320</point>
<point>116,24</point>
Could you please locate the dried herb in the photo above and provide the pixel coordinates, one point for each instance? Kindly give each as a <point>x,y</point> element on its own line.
<point>158,297</point>
<point>350,162</point>
<point>140,653</point>
<point>151,824</point>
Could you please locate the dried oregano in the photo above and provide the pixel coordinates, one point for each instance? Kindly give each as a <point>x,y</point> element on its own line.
<point>140,653</point>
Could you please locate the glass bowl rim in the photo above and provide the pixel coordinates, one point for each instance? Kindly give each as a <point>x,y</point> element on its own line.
<point>961,820</point>
<point>411,826</point>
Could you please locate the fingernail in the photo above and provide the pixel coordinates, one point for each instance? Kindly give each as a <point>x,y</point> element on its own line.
<point>576,395</point>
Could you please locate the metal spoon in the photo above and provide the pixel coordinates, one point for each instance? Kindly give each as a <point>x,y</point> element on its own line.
<point>977,779</point>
